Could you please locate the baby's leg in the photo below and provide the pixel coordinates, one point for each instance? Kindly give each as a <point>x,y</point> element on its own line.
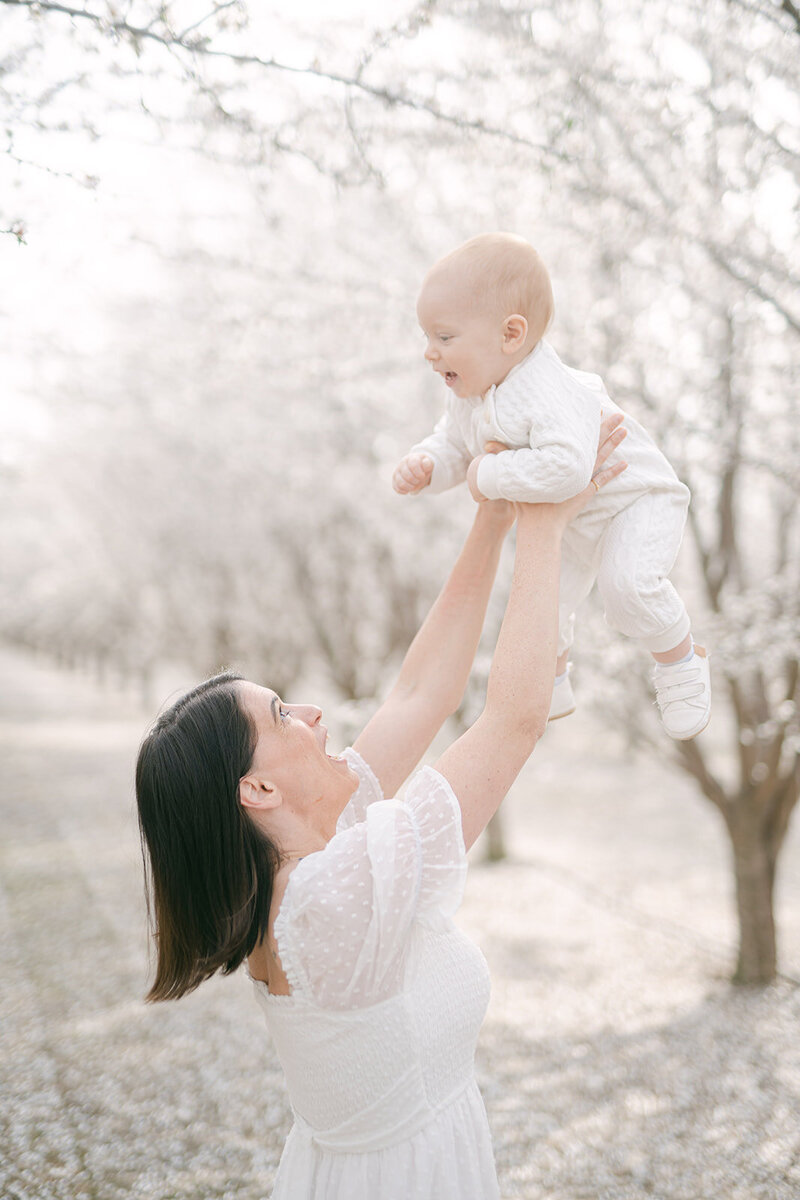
<point>575,583</point>
<point>639,551</point>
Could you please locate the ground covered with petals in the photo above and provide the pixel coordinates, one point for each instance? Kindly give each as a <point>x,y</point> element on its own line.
<point>616,1061</point>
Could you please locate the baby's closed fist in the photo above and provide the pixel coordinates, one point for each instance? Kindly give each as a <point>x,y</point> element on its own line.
<point>412,474</point>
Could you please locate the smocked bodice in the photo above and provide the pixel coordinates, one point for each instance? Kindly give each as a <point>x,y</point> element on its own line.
<point>377,1038</point>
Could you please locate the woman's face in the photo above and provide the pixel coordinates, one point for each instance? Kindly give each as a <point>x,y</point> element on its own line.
<point>290,754</point>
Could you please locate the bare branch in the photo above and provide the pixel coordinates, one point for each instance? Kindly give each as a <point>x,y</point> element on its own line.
<point>702,547</point>
<point>792,680</point>
<point>782,805</point>
<point>745,720</point>
<point>374,173</point>
<point>727,560</point>
<point>691,759</point>
<point>771,11</point>
<point>793,11</point>
<point>751,281</point>
<point>87,181</point>
<point>390,98</point>
<point>218,8</point>
<point>656,218</point>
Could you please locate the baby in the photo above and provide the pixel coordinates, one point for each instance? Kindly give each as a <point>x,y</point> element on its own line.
<point>484,310</point>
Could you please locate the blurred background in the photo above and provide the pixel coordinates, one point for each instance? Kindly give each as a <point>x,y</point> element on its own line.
<point>214,219</point>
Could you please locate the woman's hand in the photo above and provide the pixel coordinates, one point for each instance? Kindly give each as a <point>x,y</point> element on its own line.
<point>502,511</point>
<point>612,433</point>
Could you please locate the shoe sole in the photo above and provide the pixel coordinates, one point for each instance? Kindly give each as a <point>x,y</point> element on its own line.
<point>567,713</point>
<point>689,737</point>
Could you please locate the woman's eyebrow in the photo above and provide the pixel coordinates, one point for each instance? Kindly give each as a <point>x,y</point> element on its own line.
<point>275,702</point>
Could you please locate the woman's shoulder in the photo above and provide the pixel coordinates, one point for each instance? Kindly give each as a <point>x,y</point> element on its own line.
<point>352,903</point>
<point>264,963</point>
<point>369,835</point>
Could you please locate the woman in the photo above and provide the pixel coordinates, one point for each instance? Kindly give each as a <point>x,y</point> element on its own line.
<point>263,847</point>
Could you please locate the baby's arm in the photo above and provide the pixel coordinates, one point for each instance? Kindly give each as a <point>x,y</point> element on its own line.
<point>447,454</point>
<point>557,465</point>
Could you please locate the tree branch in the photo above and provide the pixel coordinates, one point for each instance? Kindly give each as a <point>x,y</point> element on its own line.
<point>782,806</point>
<point>200,46</point>
<point>690,759</point>
<point>218,8</point>
<point>785,6</point>
<point>744,721</point>
<point>727,561</point>
<point>751,281</point>
<point>653,219</point>
<point>792,679</point>
<point>793,11</point>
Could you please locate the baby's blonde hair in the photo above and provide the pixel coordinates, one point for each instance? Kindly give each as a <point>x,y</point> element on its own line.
<point>506,275</point>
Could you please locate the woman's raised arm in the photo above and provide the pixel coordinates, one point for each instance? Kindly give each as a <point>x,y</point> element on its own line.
<point>437,664</point>
<point>483,763</point>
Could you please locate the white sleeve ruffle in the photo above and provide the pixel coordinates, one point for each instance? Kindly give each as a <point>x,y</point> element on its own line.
<point>345,921</point>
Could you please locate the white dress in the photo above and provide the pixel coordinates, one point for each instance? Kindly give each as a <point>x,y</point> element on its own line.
<point>377,1039</point>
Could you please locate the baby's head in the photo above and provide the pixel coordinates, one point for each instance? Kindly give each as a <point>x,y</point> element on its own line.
<point>483,308</point>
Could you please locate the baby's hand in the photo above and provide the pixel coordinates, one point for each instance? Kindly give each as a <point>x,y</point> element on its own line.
<point>412,474</point>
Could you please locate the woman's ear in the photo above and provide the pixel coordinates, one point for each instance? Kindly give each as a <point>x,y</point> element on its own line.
<point>258,793</point>
<point>515,331</point>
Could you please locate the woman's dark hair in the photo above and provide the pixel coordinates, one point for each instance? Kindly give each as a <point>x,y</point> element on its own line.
<point>209,869</point>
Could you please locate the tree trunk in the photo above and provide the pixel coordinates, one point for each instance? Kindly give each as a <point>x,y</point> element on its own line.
<point>754,867</point>
<point>495,838</point>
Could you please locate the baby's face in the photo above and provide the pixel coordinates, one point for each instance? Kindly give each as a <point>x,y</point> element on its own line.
<point>464,344</point>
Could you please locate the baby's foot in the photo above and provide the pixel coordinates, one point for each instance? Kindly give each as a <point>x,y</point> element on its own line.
<point>562,702</point>
<point>683,694</point>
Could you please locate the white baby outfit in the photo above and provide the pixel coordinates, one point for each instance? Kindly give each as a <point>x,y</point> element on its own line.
<point>377,1039</point>
<point>627,538</point>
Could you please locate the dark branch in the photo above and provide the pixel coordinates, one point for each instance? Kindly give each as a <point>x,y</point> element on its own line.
<point>793,11</point>
<point>782,805</point>
<point>690,758</point>
<point>785,6</point>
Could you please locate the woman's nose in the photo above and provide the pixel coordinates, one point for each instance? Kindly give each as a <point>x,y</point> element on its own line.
<point>309,713</point>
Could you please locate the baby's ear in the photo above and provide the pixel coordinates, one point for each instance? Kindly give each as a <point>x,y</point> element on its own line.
<point>515,331</point>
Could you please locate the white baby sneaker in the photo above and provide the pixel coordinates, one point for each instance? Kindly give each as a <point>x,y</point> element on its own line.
<point>683,694</point>
<point>562,702</point>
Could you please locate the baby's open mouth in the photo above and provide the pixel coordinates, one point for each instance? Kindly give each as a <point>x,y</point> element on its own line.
<point>450,377</point>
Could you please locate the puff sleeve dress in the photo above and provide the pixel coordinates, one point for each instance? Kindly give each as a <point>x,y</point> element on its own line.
<point>377,1038</point>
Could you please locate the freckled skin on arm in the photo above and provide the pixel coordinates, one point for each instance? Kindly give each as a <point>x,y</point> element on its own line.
<point>437,665</point>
